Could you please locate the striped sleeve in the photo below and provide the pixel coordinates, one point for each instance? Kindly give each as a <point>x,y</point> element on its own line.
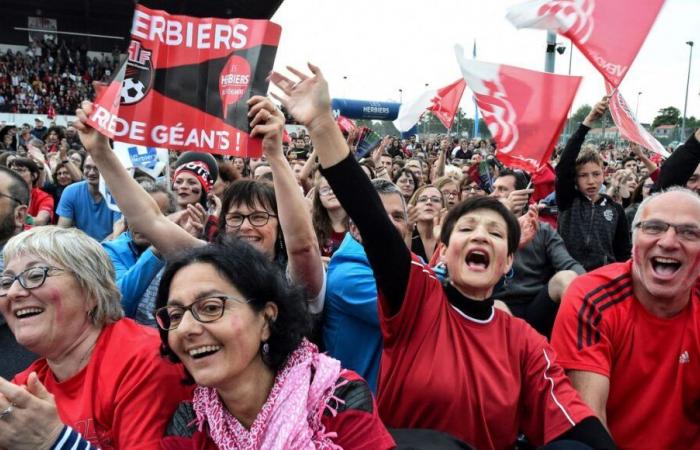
<point>69,439</point>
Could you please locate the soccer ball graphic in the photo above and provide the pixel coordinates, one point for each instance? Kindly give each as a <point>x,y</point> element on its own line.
<point>132,91</point>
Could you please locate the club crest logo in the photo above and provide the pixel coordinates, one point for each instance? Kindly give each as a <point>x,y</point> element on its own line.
<point>138,77</point>
<point>575,17</point>
<point>498,113</point>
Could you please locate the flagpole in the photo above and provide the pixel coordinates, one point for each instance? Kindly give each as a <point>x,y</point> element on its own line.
<point>476,107</point>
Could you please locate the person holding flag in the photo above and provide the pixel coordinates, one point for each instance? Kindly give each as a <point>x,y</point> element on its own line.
<point>494,376</point>
<point>593,226</point>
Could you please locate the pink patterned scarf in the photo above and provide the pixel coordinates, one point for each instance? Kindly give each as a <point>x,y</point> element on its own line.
<point>291,415</point>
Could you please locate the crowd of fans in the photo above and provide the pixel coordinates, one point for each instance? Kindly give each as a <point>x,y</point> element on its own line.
<point>420,296</point>
<point>49,78</point>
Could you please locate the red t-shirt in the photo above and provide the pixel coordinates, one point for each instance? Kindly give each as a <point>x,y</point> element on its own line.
<point>653,364</point>
<point>481,381</point>
<point>40,201</point>
<point>125,396</point>
<point>357,425</point>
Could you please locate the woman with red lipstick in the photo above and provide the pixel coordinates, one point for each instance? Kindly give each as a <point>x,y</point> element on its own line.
<point>450,362</point>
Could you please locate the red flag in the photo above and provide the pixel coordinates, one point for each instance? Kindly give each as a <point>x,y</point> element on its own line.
<point>603,30</point>
<point>446,101</point>
<point>629,128</point>
<point>186,82</point>
<point>346,125</point>
<point>542,182</point>
<point>524,110</point>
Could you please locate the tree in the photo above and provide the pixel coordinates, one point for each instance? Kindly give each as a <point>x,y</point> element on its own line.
<point>580,114</point>
<point>667,116</point>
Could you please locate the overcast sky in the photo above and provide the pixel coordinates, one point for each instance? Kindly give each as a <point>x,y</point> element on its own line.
<point>384,45</point>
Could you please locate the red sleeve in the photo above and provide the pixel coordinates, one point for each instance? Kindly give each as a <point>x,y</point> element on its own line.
<point>46,203</point>
<point>357,424</point>
<point>418,313</point>
<point>573,351</point>
<point>551,404</point>
<point>149,392</point>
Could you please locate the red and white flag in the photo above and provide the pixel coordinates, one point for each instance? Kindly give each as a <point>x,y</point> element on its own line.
<point>443,102</point>
<point>446,102</point>
<point>524,110</point>
<point>629,128</point>
<point>608,32</point>
<point>346,125</point>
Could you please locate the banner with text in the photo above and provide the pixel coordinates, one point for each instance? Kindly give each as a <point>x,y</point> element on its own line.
<point>601,29</point>
<point>629,128</point>
<point>185,83</point>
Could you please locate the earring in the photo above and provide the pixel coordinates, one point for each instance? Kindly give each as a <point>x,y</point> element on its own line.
<point>266,349</point>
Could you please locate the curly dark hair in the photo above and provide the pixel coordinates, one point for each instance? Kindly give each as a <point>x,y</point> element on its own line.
<point>259,280</point>
<point>407,172</point>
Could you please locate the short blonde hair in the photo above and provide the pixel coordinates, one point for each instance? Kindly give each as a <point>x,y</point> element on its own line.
<point>83,256</point>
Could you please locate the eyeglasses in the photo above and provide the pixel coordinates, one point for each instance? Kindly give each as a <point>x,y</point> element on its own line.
<point>325,190</point>
<point>425,199</point>
<point>471,189</point>
<point>256,219</point>
<point>204,310</point>
<point>31,278</point>
<point>10,197</point>
<point>450,193</point>
<point>690,233</point>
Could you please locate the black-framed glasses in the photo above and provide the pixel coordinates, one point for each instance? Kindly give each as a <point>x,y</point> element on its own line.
<point>655,227</point>
<point>10,197</point>
<point>31,278</point>
<point>204,310</point>
<point>256,219</point>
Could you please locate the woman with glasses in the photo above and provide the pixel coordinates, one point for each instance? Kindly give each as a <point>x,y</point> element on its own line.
<point>228,314</point>
<point>429,202</point>
<point>58,296</point>
<point>449,188</point>
<point>273,218</point>
<point>329,218</point>
<point>406,181</point>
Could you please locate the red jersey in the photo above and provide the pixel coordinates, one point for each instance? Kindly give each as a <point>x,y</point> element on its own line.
<point>125,396</point>
<point>40,201</point>
<point>481,381</point>
<point>653,364</point>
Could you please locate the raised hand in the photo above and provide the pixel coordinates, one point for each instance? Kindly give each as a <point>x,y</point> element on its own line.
<point>267,122</point>
<point>307,99</point>
<point>92,140</point>
<point>597,112</point>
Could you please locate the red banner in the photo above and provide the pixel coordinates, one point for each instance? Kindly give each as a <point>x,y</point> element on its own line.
<point>629,128</point>
<point>446,101</point>
<point>524,110</point>
<point>186,81</point>
<point>608,32</point>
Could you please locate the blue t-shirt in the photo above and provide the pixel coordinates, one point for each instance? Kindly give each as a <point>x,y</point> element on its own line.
<point>351,330</point>
<point>94,218</point>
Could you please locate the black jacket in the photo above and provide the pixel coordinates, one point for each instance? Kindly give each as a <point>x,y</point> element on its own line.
<point>595,233</point>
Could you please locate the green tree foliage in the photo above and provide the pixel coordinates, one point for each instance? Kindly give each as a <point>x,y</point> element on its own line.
<point>667,116</point>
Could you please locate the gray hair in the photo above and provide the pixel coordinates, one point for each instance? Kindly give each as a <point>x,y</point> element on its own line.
<point>153,187</point>
<point>385,187</point>
<point>645,203</point>
<point>80,254</point>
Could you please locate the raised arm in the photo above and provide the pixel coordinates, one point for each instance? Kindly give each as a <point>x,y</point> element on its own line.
<point>305,266</point>
<point>308,102</point>
<point>679,167</point>
<point>139,208</point>
<point>639,153</point>
<point>565,183</point>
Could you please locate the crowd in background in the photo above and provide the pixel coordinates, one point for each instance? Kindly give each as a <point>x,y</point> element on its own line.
<point>410,267</point>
